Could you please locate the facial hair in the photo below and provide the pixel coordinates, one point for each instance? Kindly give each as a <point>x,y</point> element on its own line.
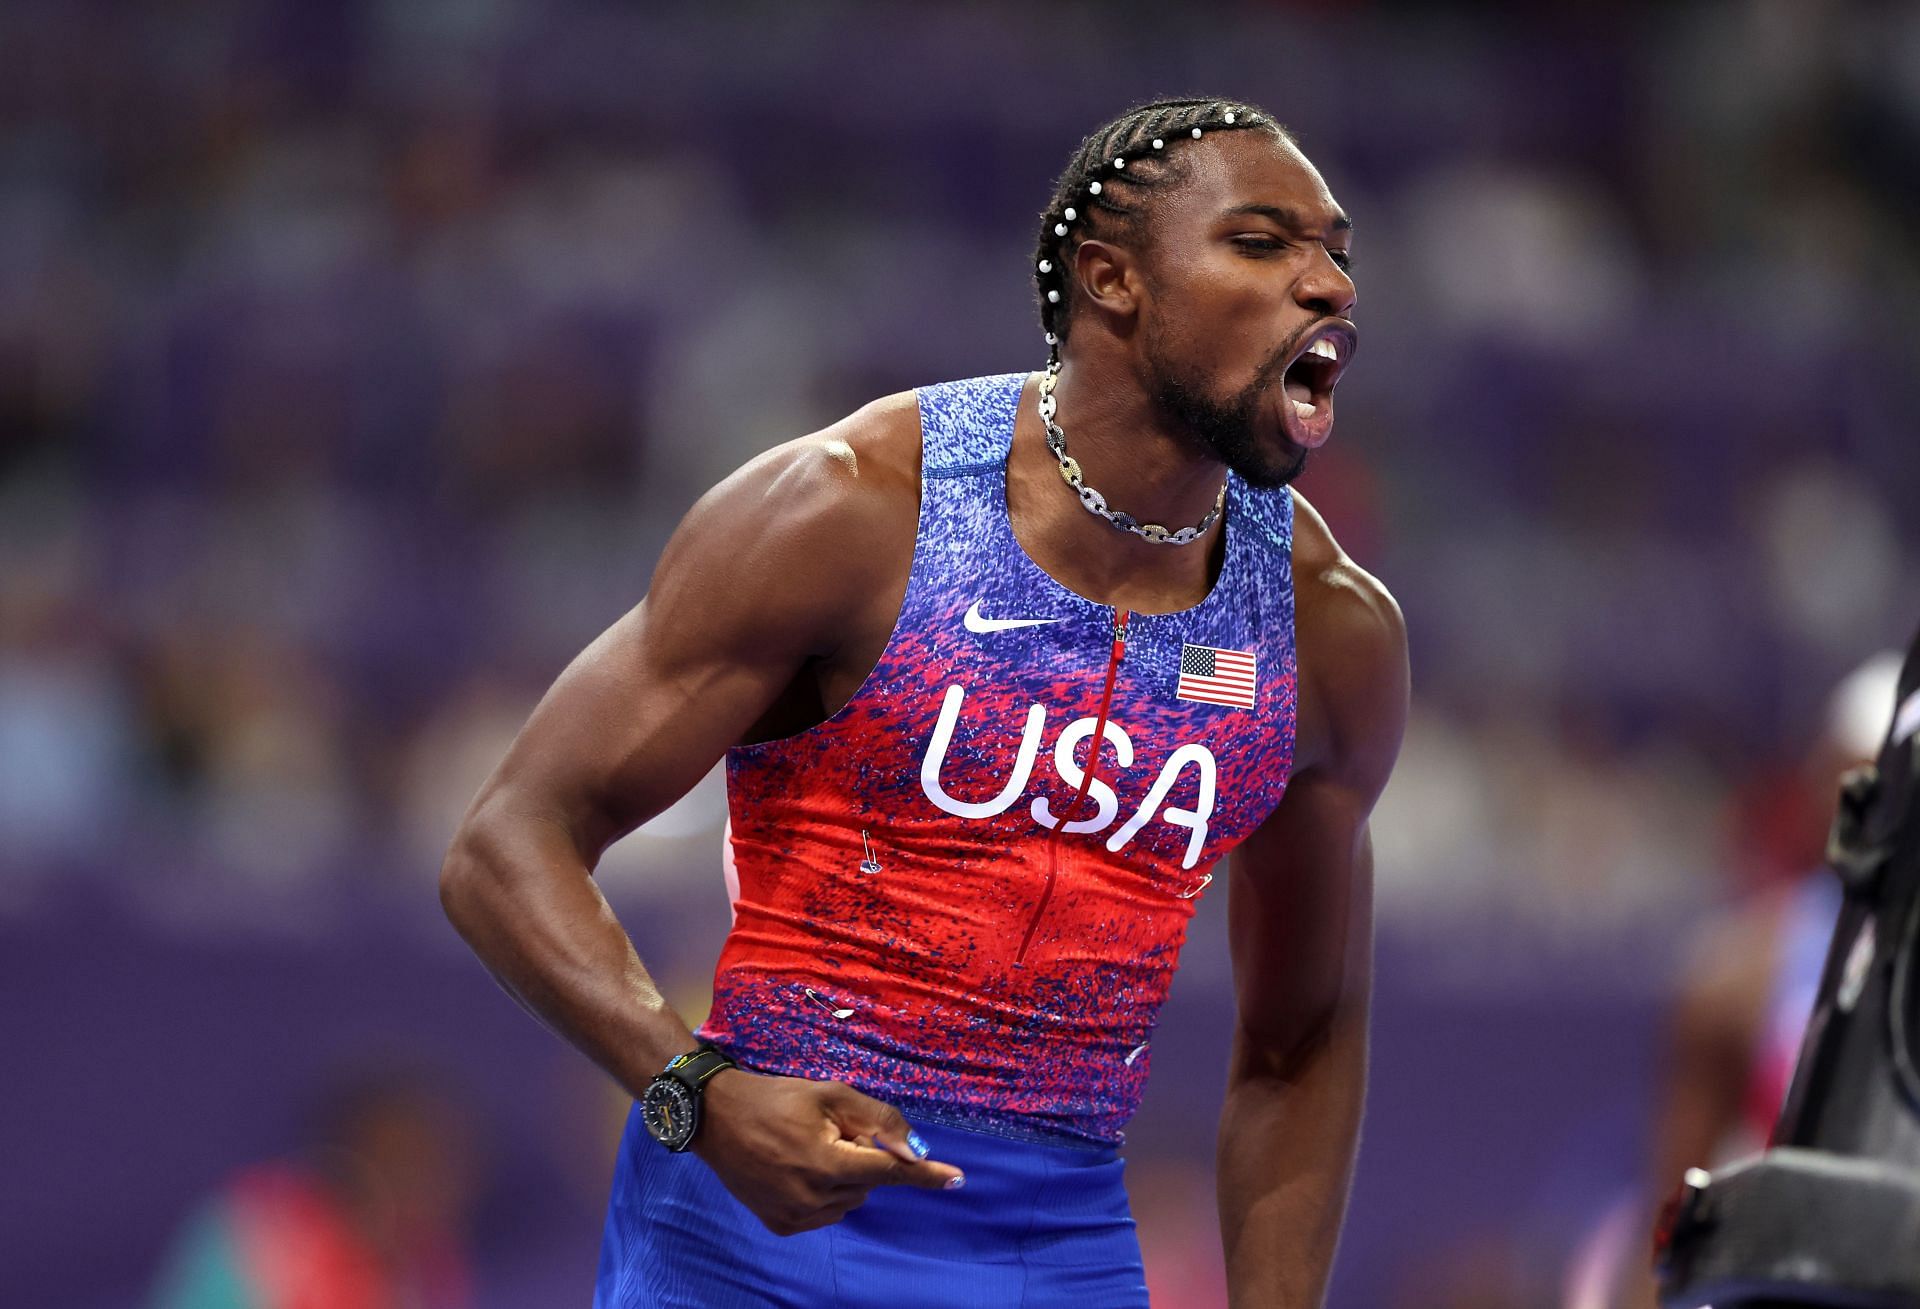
<point>1226,427</point>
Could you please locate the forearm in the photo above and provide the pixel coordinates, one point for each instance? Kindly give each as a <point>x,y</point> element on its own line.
<point>519,892</point>
<point>1288,1132</point>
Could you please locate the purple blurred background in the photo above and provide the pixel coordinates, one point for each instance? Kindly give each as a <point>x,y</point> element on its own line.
<point>356,359</point>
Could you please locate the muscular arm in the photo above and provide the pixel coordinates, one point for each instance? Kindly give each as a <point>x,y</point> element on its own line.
<point>1300,913</point>
<point>761,585</point>
<point>740,600</point>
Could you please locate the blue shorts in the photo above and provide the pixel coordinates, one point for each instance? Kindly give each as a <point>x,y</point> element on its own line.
<point>1035,1226</point>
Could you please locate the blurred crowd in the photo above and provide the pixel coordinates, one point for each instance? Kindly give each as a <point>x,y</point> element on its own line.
<point>356,360</point>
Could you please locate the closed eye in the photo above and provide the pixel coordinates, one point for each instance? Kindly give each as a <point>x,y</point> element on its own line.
<point>1259,246</point>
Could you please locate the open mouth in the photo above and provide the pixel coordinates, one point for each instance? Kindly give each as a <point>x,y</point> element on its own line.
<point>1310,379</point>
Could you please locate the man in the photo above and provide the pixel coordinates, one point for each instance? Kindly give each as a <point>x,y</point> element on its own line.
<point>880,627</point>
<point>1739,1013</point>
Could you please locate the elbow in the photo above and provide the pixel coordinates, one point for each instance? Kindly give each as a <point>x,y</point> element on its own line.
<point>502,853</point>
<point>457,875</point>
<point>1284,1051</point>
<point>467,873</point>
<point>1273,1056</point>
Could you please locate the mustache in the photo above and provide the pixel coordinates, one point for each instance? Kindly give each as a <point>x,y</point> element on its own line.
<point>1272,372</point>
<point>1277,363</point>
<point>1275,368</point>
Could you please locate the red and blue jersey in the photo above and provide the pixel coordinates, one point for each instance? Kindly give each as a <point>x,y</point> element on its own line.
<point>913,916</point>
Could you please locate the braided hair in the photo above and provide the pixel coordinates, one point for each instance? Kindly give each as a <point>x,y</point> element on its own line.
<point>1099,194</point>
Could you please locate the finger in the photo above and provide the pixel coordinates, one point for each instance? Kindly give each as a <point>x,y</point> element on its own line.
<point>928,1175</point>
<point>915,1146</point>
<point>865,1167</point>
<point>864,1118</point>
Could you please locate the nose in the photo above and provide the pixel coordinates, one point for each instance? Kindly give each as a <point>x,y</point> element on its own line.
<point>1325,288</point>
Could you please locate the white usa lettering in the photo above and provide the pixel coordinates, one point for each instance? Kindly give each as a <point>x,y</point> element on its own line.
<point>1106,801</point>
<point>937,751</point>
<point>1194,818</point>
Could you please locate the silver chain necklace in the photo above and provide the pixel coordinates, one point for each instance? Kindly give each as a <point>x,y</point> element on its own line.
<point>1092,500</point>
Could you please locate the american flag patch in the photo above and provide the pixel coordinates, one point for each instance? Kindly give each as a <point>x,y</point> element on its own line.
<point>1213,676</point>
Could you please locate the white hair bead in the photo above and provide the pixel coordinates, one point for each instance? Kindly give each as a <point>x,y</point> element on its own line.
<point>1196,134</point>
<point>1053,297</point>
<point>1070,215</point>
<point>1052,339</point>
<point>1093,188</point>
<point>1046,265</point>
<point>1229,115</point>
<point>1158,144</point>
<point>1059,229</point>
<point>1119,163</point>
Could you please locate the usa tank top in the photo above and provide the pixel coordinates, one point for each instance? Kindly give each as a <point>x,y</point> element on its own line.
<point>947,895</point>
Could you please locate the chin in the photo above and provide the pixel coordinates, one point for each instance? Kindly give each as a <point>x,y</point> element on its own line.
<point>1272,471</point>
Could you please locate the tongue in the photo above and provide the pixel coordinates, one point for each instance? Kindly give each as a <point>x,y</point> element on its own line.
<point>1299,391</point>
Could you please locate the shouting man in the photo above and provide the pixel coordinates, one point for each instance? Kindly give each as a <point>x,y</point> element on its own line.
<point>1000,670</point>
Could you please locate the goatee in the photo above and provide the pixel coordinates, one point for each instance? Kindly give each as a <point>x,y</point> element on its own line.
<point>1226,427</point>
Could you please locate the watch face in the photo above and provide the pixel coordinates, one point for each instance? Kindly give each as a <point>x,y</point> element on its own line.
<point>669,1113</point>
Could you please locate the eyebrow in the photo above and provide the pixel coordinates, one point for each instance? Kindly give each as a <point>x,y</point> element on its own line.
<point>1286,217</point>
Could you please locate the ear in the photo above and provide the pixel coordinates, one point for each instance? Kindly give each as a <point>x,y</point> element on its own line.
<point>1109,278</point>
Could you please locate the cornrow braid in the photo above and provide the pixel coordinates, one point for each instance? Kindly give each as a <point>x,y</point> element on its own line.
<point>1100,192</point>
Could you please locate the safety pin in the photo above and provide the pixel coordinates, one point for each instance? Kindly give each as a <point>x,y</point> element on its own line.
<point>827,1005</point>
<point>1205,882</point>
<point>868,864</point>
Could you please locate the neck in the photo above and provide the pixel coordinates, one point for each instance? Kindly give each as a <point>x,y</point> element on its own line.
<point>1129,452</point>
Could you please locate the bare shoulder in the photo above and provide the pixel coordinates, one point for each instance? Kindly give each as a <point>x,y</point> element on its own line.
<point>798,537</point>
<point>1352,648</point>
<point>857,472</point>
<point>871,457</point>
<point>1334,588</point>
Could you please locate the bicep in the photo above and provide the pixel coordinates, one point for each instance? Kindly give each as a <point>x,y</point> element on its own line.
<point>742,598</point>
<point>1300,897</point>
<point>634,721</point>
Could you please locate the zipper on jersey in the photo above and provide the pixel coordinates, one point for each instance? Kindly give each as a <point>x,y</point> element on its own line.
<point>1099,738</point>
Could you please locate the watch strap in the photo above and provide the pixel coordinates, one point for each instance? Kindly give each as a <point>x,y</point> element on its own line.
<point>696,1068</point>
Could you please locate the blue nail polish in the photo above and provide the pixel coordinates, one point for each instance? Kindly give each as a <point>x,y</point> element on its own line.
<point>915,1144</point>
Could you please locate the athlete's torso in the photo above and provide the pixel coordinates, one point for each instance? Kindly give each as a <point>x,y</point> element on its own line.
<point>908,918</point>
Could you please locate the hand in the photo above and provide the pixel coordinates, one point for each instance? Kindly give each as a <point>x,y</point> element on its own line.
<point>803,1154</point>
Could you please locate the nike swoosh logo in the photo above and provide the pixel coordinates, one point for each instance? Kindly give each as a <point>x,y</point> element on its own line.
<point>975,623</point>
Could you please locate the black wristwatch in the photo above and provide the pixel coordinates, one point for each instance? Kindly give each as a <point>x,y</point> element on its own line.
<point>671,1106</point>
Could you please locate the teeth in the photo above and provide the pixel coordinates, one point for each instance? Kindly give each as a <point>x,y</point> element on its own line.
<point>1325,349</point>
<point>1302,408</point>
